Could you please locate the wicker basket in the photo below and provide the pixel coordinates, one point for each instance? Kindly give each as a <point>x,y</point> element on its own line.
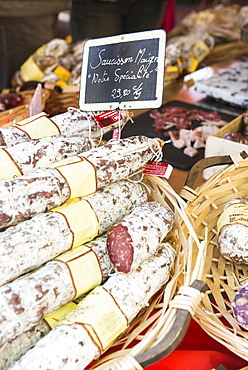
<point>224,278</point>
<point>159,328</point>
<point>17,114</point>
<point>21,112</point>
<point>61,98</point>
<point>227,52</point>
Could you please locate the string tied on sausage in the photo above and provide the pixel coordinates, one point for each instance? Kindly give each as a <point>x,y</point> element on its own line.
<point>119,125</point>
<point>158,152</point>
<point>87,116</point>
<point>89,126</point>
<point>71,109</point>
<point>138,176</point>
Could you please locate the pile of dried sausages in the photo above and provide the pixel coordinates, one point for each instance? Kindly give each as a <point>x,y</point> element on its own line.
<point>64,234</point>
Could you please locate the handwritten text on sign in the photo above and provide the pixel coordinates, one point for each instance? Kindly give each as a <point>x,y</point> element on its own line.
<point>124,71</point>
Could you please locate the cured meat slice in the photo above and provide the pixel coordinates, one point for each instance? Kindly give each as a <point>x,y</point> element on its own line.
<point>43,189</point>
<point>70,345</point>
<point>138,235</point>
<point>26,156</point>
<point>211,116</point>
<point>33,242</point>
<point>190,151</point>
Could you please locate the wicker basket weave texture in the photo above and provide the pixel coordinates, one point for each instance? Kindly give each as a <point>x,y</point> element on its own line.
<point>61,99</point>
<point>21,112</point>
<point>224,278</point>
<point>155,332</point>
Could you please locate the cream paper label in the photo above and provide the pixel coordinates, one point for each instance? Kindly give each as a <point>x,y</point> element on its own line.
<point>204,18</point>
<point>233,214</point>
<point>84,267</point>
<point>59,315</point>
<point>81,219</point>
<point>102,317</point>
<point>79,174</point>
<point>30,70</point>
<point>41,50</point>
<point>200,50</point>
<point>38,126</point>
<point>8,168</point>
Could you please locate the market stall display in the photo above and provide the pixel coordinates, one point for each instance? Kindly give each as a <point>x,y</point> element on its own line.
<point>153,252</point>
<point>26,156</point>
<point>173,117</point>
<point>72,121</point>
<point>194,39</point>
<point>31,243</point>
<point>46,188</point>
<point>57,64</point>
<point>58,277</point>
<point>158,188</point>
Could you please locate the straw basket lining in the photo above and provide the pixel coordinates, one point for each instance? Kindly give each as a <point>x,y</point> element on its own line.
<point>223,277</point>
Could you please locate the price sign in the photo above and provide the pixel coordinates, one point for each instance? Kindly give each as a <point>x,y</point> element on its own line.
<point>123,71</point>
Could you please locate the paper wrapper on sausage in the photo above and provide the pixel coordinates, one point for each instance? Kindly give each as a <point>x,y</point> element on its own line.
<point>31,243</point>
<point>73,121</point>
<point>100,318</point>
<point>39,191</point>
<point>27,156</point>
<point>25,301</point>
<point>233,231</point>
<point>240,306</point>
<point>138,235</point>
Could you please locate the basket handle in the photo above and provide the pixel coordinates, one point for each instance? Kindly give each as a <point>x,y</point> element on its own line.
<point>204,163</point>
<point>173,337</point>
